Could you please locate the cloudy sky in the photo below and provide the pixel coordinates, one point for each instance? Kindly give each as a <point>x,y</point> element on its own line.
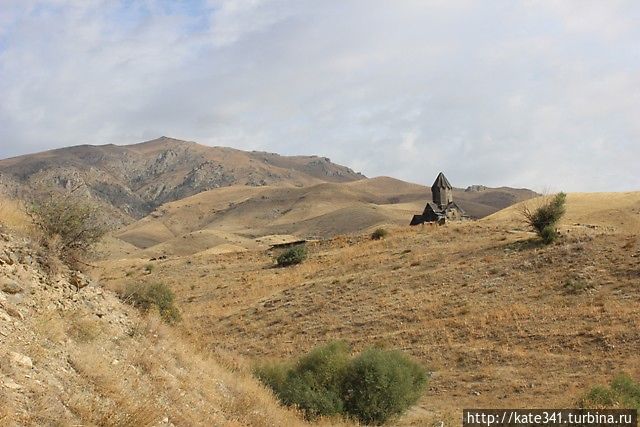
<point>538,94</point>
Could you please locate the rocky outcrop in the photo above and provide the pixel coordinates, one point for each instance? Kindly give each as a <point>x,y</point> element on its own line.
<point>37,309</point>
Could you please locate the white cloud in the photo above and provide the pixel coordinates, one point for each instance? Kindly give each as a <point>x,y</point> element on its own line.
<point>502,93</point>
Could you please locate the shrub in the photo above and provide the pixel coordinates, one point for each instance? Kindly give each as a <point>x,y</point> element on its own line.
<point>292,256</point>
<point>313,384</point>
<point>623,392</point>
<point>548,234</point>
<point>381,384</point>
<point>543,220</point>
<point>147,296</point>
<point>379,233</point>
<point>69,225</point>
<point>372,387</point>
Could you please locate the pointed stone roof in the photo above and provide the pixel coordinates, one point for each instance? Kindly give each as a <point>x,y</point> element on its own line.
<point>441,182</point>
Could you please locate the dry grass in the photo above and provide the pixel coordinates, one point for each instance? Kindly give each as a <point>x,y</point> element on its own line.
<point>478,303</point>
<point>13,216</point>
<point>142,376</point>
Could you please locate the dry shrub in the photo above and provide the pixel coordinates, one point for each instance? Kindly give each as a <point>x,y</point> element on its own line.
<point>148,296</point>
<point>84,329</point>
<point>115,398</point>
<point>7,415</point>
<point>70,226</point>
<point>13,216</point>
<point>544,218</point>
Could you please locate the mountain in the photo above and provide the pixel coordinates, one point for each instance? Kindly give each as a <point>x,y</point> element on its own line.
<point>179,197</point>
<point>132,180</point>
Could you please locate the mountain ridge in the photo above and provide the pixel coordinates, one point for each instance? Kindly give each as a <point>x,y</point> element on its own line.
<point>135,179</point>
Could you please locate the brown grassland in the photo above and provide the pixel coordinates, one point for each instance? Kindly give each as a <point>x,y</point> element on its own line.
<point>499,319</point>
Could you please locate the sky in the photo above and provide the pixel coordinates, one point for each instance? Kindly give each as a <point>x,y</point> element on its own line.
<point>536,94</point>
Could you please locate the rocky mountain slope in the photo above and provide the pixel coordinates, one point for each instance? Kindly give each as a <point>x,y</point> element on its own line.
<point>132,180</point>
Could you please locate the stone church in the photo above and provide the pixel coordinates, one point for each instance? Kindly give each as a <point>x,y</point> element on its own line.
<point>442,208</point>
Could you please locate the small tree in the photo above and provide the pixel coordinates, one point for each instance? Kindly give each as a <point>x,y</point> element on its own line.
<point>543,219</point>
<point>69,225</point>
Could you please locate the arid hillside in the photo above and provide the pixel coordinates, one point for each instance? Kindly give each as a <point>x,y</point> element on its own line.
<point>72,353</point>
<point>499,319</point>
<point>132,180</point>
<point>239,217</point>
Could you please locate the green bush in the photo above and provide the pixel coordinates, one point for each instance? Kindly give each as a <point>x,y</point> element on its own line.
<point>147,296</point>
<point>381,384</point>
<point>372,387</point>
<point>543,220</point>
<point>549,234</point>
<point>623,392</point>
<point>313,384</point>
<point>379,233</point>
<point>292,256</point>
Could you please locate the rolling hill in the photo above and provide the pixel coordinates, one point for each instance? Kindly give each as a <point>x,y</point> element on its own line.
<point>239,215</point>
<point>177,197</point>
<point>499,319</point>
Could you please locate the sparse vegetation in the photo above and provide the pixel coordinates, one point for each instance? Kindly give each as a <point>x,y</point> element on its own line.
<point>623,392</point>
<point>379,233</point>
<point>84,329</point>
<point>292,256</point>
<point>147,296</point>
<point>371,387</point>
<point>576,285</point>
<point>543,219</point>
<point>70,226</point>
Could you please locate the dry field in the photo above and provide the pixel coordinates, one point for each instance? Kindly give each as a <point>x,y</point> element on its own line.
<point>499,320</point>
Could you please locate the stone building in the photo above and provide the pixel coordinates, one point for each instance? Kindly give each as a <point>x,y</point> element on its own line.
<point>442,207</point>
